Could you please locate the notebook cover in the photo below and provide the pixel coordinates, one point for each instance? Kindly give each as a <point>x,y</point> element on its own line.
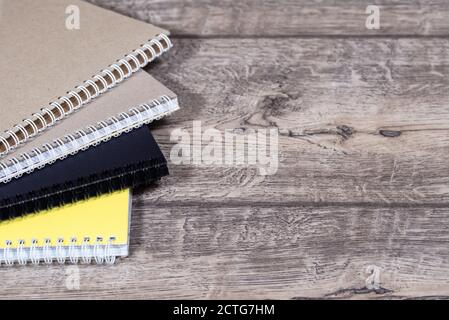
<point>104,216</point>
<point>98,221</point>
<point>142,88</point>
<point>130,160</point>
<point>43,59</point>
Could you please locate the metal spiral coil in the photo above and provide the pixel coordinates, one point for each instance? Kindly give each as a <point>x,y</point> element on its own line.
<point>48,251</point>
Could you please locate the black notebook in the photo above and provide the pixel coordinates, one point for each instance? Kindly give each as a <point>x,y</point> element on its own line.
<point>130,160</point>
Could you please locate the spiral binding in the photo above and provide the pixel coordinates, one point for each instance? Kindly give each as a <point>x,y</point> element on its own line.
<point>83,139</point>
<point>84,93</point>
<point>100,251</point>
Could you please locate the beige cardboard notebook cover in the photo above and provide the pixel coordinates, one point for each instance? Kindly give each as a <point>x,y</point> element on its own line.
<point>139,100</point>
<point>49,63</point>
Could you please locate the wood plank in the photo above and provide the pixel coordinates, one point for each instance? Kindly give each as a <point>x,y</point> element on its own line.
<point>359,120</point>
<point>273,18</point>
<point>253,252</point>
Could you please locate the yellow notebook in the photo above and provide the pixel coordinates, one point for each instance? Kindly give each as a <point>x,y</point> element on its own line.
<point>94,229</point>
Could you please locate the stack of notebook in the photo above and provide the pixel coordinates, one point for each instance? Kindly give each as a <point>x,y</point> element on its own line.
<point>75,106</point>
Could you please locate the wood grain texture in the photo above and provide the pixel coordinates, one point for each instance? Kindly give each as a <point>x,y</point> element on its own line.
<point>359,121</point>
<point>280,18</point>
<point>362,180</point>
<point>204,252</point>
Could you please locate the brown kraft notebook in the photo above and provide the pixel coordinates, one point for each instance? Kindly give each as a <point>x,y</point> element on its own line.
<point>51,70</point>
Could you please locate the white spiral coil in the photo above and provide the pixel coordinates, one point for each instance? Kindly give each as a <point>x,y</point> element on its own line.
<point>101,251</point>
<point>83,139</point>
<point>74,99</point>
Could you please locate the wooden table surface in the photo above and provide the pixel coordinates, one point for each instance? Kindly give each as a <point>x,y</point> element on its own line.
<point>363,179</point>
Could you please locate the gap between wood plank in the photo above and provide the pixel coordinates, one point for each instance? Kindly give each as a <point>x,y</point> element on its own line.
<point>310,36</point>
<point>290,204</point>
